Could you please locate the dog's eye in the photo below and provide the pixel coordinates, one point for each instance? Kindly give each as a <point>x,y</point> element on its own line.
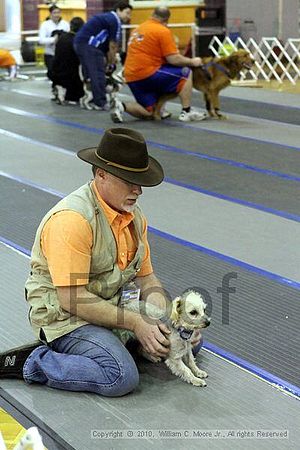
<point>194,312</point>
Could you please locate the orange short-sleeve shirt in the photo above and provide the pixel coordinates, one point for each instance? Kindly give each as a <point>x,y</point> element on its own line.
<point>67,240</point>
<point>6,58</point>
<point>148,46</point>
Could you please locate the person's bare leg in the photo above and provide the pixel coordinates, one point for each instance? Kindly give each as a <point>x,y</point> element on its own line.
<point>188,114</point>
<point>185,94</point>
<point>137,110</point>
<point>159,111</point>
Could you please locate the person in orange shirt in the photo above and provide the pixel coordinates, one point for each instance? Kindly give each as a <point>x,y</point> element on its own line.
<point>8,61</point>
<point>154,67</point>
<point>91,254</point>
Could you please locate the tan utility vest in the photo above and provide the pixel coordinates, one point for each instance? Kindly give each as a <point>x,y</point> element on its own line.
<point>48,319</point>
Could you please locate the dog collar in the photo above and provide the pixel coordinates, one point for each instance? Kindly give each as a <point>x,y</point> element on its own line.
<point>184,333</point>
<point>217,66</point>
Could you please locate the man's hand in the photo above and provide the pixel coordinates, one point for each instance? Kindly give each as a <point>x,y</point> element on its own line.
<point>196,339</point>
<point>196,62</point>
<point>151,337</point>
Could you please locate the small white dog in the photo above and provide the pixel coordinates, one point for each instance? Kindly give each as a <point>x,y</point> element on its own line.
<point>187,317</point>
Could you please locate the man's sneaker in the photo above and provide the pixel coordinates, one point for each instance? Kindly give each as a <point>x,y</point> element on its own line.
<point>117,113</point>
<point>192,116</point>
<point>164,114</point>
<point>87,104</point>
<point>12,361</point>
<point>54,94</point>
<point>61,94</point>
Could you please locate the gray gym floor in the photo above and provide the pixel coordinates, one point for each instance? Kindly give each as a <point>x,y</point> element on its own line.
<point>229,206</point>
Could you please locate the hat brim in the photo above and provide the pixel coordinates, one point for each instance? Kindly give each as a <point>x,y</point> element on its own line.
<point>153,176</point>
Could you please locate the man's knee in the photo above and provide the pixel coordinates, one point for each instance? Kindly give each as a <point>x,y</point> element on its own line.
<point>127,381</point>
<point>186,85</point>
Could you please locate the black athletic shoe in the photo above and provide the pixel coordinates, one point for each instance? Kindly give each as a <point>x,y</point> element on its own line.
<point>12,361</point>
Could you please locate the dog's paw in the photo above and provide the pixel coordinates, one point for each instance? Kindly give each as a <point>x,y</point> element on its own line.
<point>201,374</point>
<point>219,115</point>
<point>222,117</point>
<point>198,382</point>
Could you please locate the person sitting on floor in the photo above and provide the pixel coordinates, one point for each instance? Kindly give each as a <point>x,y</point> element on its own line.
<point>88,250</point>
<point>8,62</point>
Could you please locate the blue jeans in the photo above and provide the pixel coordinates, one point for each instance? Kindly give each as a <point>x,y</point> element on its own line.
<point>90,359</point>
<point>93,67</point>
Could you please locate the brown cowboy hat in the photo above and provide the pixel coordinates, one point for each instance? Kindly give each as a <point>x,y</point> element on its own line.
<point>123,153</point>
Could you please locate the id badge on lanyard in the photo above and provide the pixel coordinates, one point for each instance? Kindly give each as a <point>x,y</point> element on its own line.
<point>129,293</point>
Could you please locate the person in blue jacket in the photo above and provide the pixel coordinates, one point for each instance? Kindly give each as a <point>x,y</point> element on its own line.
<point>96,45</point>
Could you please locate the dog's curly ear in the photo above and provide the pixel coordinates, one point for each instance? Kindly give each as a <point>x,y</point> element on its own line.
<point>176,304</point>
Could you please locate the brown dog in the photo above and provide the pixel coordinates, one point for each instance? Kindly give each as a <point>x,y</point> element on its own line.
<point>214,75</point>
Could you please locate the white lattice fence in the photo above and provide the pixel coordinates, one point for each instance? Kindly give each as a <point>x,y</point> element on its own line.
<point>272,58</point>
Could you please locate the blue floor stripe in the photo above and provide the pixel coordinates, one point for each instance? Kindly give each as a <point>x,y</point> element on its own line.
<point>50,119</point>
<point>296,109</point>
<point>273,211</point>
<point>228,259</point>
<point>270,121</point>
<point>169,237</point>
<point>259,371</point>
<point>35,142</point>
<point>71,153</point>
<point>32,184</point>
<point>228,162</point>
<point>11,244</point>
<point>276,381</point>
<point>237,136</point>
<point>163,147</point>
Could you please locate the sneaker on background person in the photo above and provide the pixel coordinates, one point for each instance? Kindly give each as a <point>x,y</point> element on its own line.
<point>61,94</point>
<point>165,114</point>
<point>54,94</point>
<point>118,110</point>
<point>191,116</point>
<point>85,103</point>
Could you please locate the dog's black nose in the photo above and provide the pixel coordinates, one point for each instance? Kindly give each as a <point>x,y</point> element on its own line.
<point>207,322</point>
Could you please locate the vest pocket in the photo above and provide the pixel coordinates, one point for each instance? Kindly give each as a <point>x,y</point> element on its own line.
<point>48,312</point>
<point>43,315</point>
